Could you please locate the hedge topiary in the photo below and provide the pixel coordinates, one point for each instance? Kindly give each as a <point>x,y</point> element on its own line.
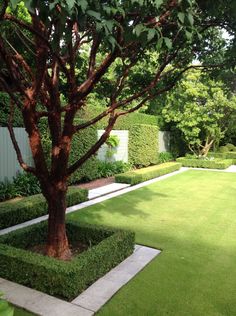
<point>144,174</point>
<point>18,211</point>
<point>203,163</point>
<point>107,248</point>
<point>143,145</point>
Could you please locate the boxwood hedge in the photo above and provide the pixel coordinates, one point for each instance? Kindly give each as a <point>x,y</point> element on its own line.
<point>144,174</point>
<point>66,280</point>
<point>16,211</point>
<point>203,163</point>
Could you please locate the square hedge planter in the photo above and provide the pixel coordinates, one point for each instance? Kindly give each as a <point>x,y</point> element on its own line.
<point>66,280</point>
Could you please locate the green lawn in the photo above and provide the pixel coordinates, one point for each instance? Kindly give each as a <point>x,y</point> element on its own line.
<point>192,218</point>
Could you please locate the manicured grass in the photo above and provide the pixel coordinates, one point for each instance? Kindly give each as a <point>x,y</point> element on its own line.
<point>21,312</point>
<point>192,218</point>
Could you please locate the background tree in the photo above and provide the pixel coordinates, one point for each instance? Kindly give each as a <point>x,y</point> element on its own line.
<point>48,63</point>
<point>200,108</point>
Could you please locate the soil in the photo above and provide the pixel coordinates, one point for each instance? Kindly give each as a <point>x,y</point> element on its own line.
<point>76,249</point>
<point>97,183</point>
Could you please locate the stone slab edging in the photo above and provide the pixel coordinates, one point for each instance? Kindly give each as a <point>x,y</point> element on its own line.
<point>94,201</point>
<point>91,300</point>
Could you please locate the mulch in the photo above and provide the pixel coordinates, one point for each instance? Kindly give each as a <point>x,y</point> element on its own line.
<point>97,183</point>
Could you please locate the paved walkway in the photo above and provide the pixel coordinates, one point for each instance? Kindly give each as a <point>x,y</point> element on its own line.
<point>109,188</point>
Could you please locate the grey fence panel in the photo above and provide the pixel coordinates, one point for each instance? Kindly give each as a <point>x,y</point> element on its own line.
<point>9,165</point>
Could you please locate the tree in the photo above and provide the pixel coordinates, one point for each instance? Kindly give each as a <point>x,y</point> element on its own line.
<point>201,110</point>
<point>48,62</point>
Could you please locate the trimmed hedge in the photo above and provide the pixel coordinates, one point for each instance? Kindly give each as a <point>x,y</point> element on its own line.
<point>59,278</point>
<point>225,155</point>
<point>81,143</point>
<point>201,163</point>
<point>14,212</point>
<point>124,122</point>
<point>144,174</point>
<point>143,145</point>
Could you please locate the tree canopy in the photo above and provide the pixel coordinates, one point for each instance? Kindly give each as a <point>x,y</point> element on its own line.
<point>201,109</point>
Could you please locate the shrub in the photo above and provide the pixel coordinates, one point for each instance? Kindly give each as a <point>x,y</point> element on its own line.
<point>144,174</point>
<point>124,122</point>
<point>109,169</point>
<point>230,147</point>
<point>18,211</point>
<point>223,149</point>
<point>60,278</point>
<point>165,157</point>
<point>24,184</point>
<point>81,143</point>
<point>205,163</point>
<point>143,145</point>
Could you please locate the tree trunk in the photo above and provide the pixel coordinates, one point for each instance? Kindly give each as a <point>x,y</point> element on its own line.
<point>57,243</point>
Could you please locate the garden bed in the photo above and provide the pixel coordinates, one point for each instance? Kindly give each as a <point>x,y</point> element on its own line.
<point>144,174</point>
<point>215,163</point>
<point>17,211</point>
<point>106,249</point>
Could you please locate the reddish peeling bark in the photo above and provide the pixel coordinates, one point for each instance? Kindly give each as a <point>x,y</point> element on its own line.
<point>57,242</point>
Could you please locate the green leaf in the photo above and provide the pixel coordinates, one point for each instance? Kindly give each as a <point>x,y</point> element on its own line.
<point>158,3</point>
<point>168,42</point>
<point>181,17</point>
<point>190,18</point>
<point>70,4</point>
<point>159,43</point>
<point>188,35</point>
<point>83,4</point>
<point>14,3</point>
<point>94,14</point>
<point>138,29</point>
<point>112,41</point>
<point>151,34</point>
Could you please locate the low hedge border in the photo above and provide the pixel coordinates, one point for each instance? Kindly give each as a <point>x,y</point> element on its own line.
<point>144,174</point>
<point>14,212</point>
<point>59,278</point>
<point>225,155</point>
<point>209,164</point>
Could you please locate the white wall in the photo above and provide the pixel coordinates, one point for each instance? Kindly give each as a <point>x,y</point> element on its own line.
<point>122,148</point>
<point>164,141</point>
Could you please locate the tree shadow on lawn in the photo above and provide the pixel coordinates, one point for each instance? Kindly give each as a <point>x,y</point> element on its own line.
<point>118,211</point>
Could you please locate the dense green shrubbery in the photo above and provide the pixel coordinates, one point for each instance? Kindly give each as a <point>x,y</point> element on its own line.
<point>81,142</point>
<point>216,163</point>
<point>108,169</point>
<point>143,145</point>
<point>18,211</point>
<point>165,156</point>
<point>230,147</point>
<point>124,122</point>
<point>59,278</point>
<point>24,184</point>
<point>224,155</point>
<point>5,111</point>
<point>144,174</point>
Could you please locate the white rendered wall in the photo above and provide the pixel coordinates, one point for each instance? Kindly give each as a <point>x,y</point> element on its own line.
<point>122,148</point>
